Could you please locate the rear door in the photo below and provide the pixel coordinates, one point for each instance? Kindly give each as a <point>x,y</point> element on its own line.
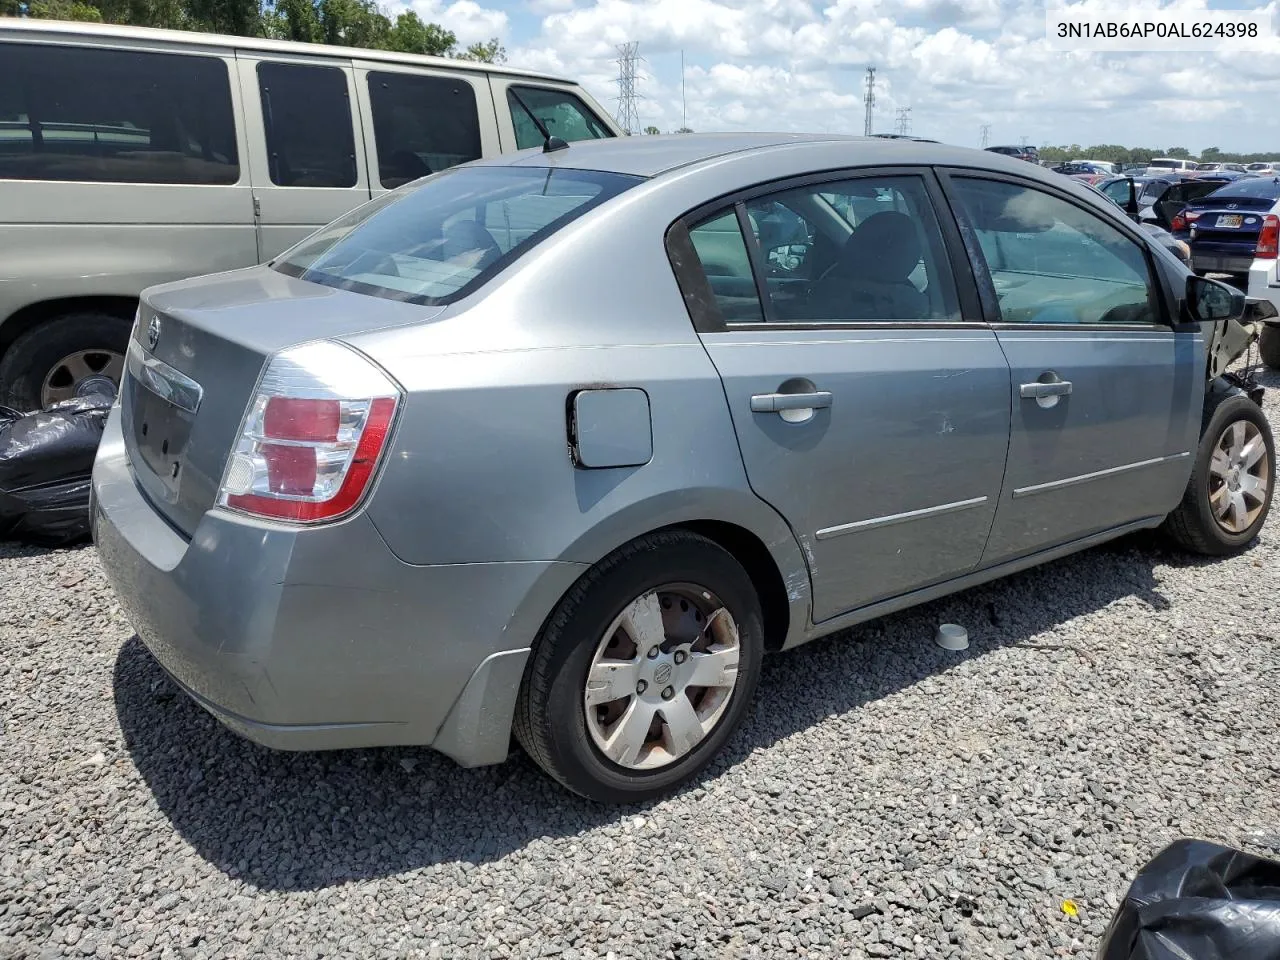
<point>303,156</point>
<point>869,400</point>
<point>1105,393</point>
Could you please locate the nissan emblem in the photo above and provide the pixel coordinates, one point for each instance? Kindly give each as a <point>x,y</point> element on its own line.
<point>153,332</point>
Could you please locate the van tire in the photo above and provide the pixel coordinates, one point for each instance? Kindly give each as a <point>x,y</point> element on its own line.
<point>1269,346</point>
<point>32,356</point>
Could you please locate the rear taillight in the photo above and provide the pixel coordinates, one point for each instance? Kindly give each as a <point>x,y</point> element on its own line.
<point>1269,238</point>
<point>312,437</point>
<point>1178,224</point>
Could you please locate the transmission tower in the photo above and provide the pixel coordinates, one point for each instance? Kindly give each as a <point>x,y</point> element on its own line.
<point>628,115</point>
<point>903,124</point>
<point>1024,140</point>
<point>986,134</point>
<point>870,101</point>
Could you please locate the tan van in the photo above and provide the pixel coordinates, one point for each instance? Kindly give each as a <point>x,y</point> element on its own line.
<point>131,156</point>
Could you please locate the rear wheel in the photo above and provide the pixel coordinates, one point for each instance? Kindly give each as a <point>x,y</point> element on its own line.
<point>73,355</point>
<point>1229,493</point>
<point>644,670</point>
<point>1269,346</point>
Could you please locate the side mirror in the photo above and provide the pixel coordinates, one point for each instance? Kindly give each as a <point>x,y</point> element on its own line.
<point>1213,301</point>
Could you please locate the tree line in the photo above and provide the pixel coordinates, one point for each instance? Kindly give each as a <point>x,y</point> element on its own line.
<point>1114,153</point>
<point>348,23</point>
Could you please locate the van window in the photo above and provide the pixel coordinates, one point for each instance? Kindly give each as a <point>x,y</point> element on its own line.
<point>564,115</point>
<point>114,116</point>
<point>438,240</point>
<point>307,114</point>
<point>422,124</point>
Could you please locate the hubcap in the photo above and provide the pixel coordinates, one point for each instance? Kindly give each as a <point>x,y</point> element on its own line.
<point>662,676</point>
<point>1239,476</point>
<point>81,373</point>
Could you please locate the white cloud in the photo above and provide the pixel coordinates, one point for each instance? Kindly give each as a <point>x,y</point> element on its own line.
<point>469,21</point>
<point>798,65</point>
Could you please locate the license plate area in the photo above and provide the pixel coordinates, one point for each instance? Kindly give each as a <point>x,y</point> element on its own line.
<point>160,404</point>
<point>1229,220</point>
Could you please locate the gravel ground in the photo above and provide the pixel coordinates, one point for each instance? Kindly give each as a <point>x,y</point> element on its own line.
<point>884,799</point>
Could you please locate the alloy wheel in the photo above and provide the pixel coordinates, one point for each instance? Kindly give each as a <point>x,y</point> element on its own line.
<point>1239,476</point>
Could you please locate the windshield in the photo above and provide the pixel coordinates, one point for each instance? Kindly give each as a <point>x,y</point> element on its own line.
<point>437,240</point>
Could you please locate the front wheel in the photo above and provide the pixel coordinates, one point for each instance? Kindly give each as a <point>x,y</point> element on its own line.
<point>644,670</point>
<point>1229,493</point>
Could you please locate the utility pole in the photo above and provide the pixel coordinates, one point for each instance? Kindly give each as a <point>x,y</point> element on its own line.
<point>986,134</point>
<point>684,101</point>
<point>1024,140</point>
<point>870,101</point>
<point>628,115</point>
<point>903,124</point>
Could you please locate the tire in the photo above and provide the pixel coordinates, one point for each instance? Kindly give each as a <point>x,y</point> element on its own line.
<point>32,357</point>
<point>1269,346</point>
<point>551,718</point>
<point>1193,524</point>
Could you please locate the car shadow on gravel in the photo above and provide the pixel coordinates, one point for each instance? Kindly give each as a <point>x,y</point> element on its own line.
<point>302,821</point>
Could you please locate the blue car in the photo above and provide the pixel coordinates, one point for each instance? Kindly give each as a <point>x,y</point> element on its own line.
<point>1223,227</point>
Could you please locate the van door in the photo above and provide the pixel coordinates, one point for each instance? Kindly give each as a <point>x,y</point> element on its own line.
<point>417,121</point>
<point>301,115</point>
<point>566,111</point>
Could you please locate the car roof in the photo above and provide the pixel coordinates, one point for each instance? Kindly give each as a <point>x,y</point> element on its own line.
<point>650,156</point>
<point>68,29</point>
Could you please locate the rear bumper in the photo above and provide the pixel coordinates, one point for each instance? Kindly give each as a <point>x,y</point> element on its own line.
<point>322,638</point>
<point>1219,263</point>
<point>1264,281</point>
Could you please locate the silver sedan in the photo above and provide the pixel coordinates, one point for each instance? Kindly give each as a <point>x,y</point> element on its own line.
<point>562,443</point>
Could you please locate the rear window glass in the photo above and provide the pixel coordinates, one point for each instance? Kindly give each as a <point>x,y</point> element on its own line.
<point>438,240</point>
<point>114,116</point>
<point>1266,188</point>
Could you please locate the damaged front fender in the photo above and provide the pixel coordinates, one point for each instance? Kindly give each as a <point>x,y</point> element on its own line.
<point>1233,335</point>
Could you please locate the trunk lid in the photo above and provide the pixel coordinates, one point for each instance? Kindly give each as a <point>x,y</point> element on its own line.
<point>195,358</point>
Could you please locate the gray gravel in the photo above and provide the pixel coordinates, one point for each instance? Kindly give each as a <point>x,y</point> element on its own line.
<point>885,798</point>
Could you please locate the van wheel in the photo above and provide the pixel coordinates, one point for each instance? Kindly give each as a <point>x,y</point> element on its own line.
<point>1269,346</point>
<point>69,356</point>
<point>644,669</point>
<point>1229,493</point>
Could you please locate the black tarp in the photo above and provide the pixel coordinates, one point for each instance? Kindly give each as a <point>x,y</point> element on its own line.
<point>46,459</point>
<point>1198,901</point>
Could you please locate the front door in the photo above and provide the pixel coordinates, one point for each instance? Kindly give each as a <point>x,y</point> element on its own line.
<point>1103,388</point>
<point>306,169</point>
<point>868,413</point>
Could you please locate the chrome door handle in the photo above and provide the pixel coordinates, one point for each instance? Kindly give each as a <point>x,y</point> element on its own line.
<point>1038,390</point>
<point>775,402</point>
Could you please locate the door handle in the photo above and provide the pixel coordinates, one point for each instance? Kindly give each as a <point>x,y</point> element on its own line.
<point>775,402</point>
<point>1038,390</point>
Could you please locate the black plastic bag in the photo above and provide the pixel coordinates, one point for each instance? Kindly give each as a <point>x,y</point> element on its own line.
<point>1198,901</point>
<point>46,459</point>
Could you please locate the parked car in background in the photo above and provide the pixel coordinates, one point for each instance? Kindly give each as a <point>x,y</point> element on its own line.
<point>1208,168</point>
<point>1105,166</point>
<point>1118,192</point>
<point>130,157</point>
<point>1159,165</point>
<point>426,477</point>
<point>1228,228</point>
<point>1267,169</point>
<point>1028,153</point>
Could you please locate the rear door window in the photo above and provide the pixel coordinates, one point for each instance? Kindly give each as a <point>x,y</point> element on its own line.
<point>563,114</point>
<point>307,113</point>
<point>115,116</point>
<point>422,124</point>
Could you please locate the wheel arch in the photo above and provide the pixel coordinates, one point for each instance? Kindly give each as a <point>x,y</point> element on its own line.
<point>33,314</point>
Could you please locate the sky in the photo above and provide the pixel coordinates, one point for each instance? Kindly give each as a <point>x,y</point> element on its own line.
<point>798,65</point>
